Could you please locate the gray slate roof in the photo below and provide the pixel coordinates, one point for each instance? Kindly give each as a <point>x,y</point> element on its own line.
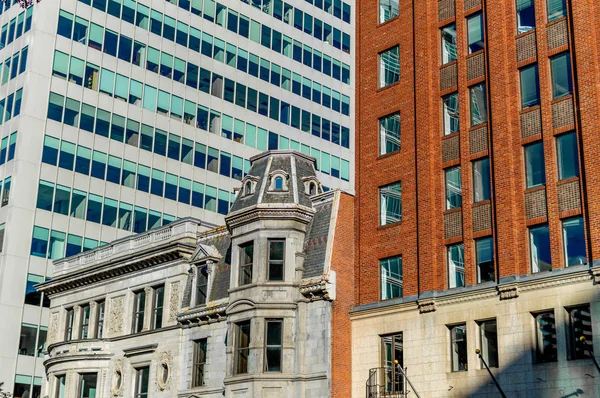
<point>315,244</point>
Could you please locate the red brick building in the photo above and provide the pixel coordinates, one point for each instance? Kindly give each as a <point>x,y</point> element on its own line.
<point>476,173</point>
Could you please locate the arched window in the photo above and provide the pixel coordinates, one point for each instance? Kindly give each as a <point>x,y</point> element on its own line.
<point>279,183</point>
<point>248,188</point>
<point>312,190</point>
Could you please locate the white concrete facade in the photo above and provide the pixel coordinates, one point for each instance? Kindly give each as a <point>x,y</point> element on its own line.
<point>22,212</point>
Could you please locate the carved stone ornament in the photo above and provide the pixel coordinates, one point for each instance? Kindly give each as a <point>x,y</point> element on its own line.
<point>116,383</point>
<point>426,306</point>
<point>163,370</point>
<point>115,316</point>
<point>508,292</point>
<point>53,330</point>
<point>174,301</point>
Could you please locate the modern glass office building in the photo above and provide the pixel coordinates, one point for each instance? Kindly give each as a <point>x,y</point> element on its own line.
<point>118,116</point>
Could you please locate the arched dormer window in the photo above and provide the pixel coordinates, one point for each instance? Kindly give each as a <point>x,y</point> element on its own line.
<point>248,188</point>
<point>278,181</point>
<point>248,185</point>
<point>312,189</point>
<point>312,186</point>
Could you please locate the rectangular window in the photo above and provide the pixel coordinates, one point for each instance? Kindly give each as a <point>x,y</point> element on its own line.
<point>475,33</point>
<point>535,170</point>
<point>453,187</point>
<point>450,114</point>
<point>391,277</point>
<point>85,322</point>
<point>481,180</point>
<point>157,307</point>
<point>574,241</point>
<point>390,203</point>
<point>580,333</point>
<point>142,376</point>
<point>61,386</point>
<point>392,348</point>
<point>484,253</point>
<point>246,261</point>
<point>389,66</point>
<point>389,134</point>
<point>200,351</point>
<point>273,345</point>
<point>448,43</point>
<point>99,319</point>
<point>556,9</point>
<point>276,260</point>
<point>478,105</point>
<point>87,385</point>
<point>562,84</point>
<point>489,342</point>
<point>27,340</point>
<point>525,16</point>
<point>458,347</point>
<point>388,9</point>
<point>201,285</point>
<point>242,347</point>
<point>456,265</point>
<point>545,331</point>
<point>539,247</point>
<point>69,324</point>
<point>139,304</point>
<point>567,154</point>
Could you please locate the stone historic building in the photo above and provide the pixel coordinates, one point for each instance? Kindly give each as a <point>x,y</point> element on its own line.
<point>257,308</point>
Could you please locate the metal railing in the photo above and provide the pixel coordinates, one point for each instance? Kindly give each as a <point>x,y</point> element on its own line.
<point>388,382</point>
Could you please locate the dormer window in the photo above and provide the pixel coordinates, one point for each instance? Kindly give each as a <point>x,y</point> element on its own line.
<point>201,285</point>
<point>278,181</point>
<point>312,189</point>
<point>312,186</point>
<point>248,188</point>
<point>248,185</point>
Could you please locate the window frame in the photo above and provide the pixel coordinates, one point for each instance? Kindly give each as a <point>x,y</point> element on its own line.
<point>239,350</point>
<point>553,356</point>
<point>273,346</point>
<point>385,137</point>
<point>69,323</point>
<point>245,277</point>
<point>84,323</point>
<point>389,279</point>
<point>385,194</point>
<point>382,83</point>
<point>139,374</point>
<point>157,310</point>
<point>485,351</point>
<point>453,353</point>
<point>531,253</point>
<point>199,362</point>
<point>80,383</point>
<point>276,262</point>
<point>456,265</point>
<point>573,340</point>
<point>139,313</point>
<point>201,275</point>
<point>480,263</point>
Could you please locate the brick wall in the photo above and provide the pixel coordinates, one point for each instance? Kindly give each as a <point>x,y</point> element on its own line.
<point>419,165</point>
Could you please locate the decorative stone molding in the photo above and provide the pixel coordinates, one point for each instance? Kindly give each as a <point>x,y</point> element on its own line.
<point>300,214</point>
<point>273,178</point>
<point>508,291</point>
<point>462,298</point>
<point>118,376</point>
<point>203,315</point>
<point>317,289</point>
<point>426,306</point>
<point>115,316</point>
<point>163,370</point>
<point>249,185</point>
<point>174,301</point>
<point>312,186</point>
<point>596,275</point>
<point>556,282</point>
<point>53,329</point>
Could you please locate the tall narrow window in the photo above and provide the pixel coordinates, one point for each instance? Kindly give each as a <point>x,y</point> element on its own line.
<point>560,66</point>
<point>568,159</point>
<point>99,319</point>
<point>388,9</point>
<point>201,286</point>
<point>242,347</point>
<point>535,170</point>
<point>274,345</point>
<point>389,66</point>
<point>85,321</point>
<point>456,265</point>
<point>157,307</point>
<point>478,105</point>
<point>580,333</point>
<point>556,9</point>
<point>453,188</point>
<point>530,86</point>
<point>574,241</point>
<point>484,251</point>
<point>142,375</point>
<point>389,134</point>
<point>458,347</point>
<point>481,180</point>
<point>87,385</point>
<point>545,330</point>
<point>69,324</point>
<point>539,248</point>
<point>475,32</point>
<point>61,386</point>
<point>390,203</point>
<point>489,342</point>
<point>525,16</point>
<point>391,277</point>
<point>448,43</point>
<point>200,347</point>
<point>246,261</point>
<point>139,304</point>
<point>276,260</point>
<point>393,358</point>
<point>451,114</point>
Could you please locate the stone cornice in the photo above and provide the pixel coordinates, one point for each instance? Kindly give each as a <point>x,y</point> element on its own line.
<point>87,276</point>
<point>278,212</point>
<point>203,314</point>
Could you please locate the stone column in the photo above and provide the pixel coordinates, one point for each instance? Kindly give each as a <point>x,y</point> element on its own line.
<point>148,308</point>
<point>93,318</point>
<point>75,335</point>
